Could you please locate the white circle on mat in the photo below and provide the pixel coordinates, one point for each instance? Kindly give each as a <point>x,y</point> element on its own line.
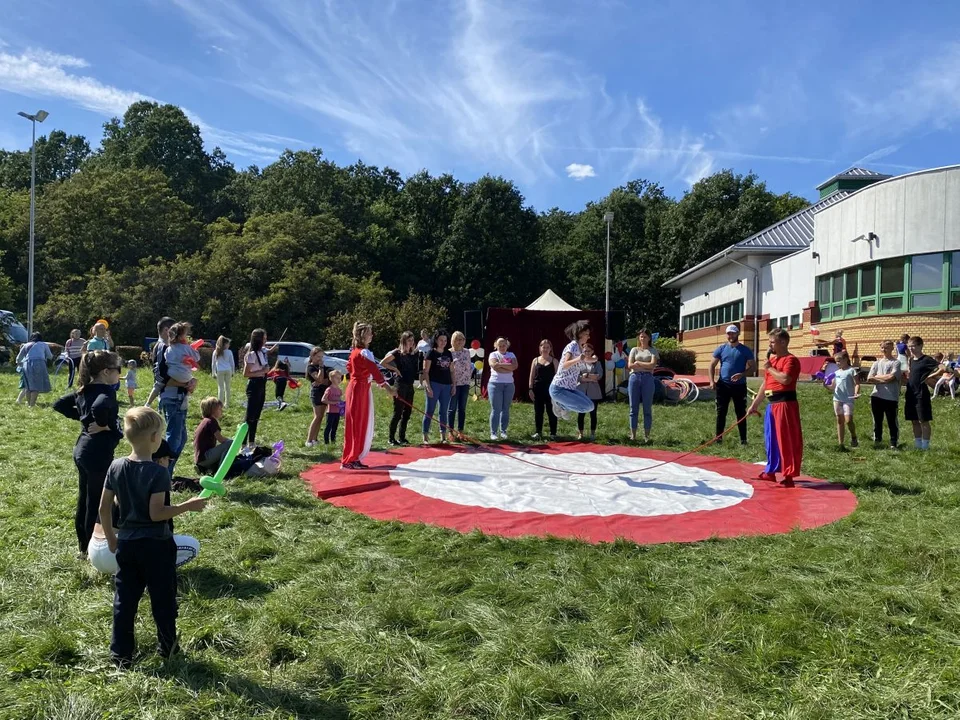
<point>493,480</point>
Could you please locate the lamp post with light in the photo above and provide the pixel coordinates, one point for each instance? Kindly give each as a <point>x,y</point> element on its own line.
<point>39,116</point>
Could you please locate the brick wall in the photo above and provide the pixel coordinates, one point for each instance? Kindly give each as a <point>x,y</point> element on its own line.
<point>940,332</point>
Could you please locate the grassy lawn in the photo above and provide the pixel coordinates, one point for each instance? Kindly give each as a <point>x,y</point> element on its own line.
<point>298,609</point>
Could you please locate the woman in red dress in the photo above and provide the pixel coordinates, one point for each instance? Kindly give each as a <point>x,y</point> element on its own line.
<point>358,432</point>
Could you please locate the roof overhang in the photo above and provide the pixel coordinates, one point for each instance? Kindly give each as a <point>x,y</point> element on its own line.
<point>720,259</point>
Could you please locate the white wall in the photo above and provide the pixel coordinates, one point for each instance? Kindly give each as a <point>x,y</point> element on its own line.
<point>788,285</point>
<point>721,284</point>
<point>911,215</point>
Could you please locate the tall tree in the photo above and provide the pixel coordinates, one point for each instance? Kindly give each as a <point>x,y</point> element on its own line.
<point>490,257</point>
<point>162,137</point>
<point>59,156</point>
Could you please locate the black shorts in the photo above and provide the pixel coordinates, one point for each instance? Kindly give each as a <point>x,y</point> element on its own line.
<point>316,394</point>
<point>917,409</point>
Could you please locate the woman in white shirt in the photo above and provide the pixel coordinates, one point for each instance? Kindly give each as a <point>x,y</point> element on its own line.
<point>573,361</point>
<point>223,364</point>
<point>643,360</point>
<point>500,387</point>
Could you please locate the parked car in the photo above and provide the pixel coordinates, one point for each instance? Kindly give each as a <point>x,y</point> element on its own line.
<point>11,330</point>
<point>336,360</point>
<point>295,354</point>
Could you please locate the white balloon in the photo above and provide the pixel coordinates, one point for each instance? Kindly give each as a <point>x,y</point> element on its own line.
<point>481,353</point>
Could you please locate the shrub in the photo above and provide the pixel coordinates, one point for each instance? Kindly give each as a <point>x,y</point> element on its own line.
<point>129,352</point>
<point>682,362</point>
<point>666,343</point>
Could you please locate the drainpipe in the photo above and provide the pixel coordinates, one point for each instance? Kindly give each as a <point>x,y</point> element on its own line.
<point>756,307</point>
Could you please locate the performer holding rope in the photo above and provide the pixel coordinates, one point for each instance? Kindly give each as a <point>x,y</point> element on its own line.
<point>782,430</point>
<point>563,389</point>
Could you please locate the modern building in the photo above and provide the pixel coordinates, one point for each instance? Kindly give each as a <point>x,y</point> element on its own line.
<point>875,256</point>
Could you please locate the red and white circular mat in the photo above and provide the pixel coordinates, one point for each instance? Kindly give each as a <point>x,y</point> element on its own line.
<point>572,493</point>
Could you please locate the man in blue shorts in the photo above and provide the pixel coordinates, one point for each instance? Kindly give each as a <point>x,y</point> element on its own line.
<point>736,361</point>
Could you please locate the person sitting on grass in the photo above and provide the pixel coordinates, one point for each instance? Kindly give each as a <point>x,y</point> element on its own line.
<point>104,560</point>
<point>210,446</point>
<point>948,377</point>
<point>846,389</point>
<point>143,539</point>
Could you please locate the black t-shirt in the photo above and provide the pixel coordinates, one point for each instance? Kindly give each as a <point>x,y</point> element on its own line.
<point>95,404</point>
<point>920,370</point>
<point>318,372</point>
<point>440,365</point>
<point>133,483</point>
<point>407,364</point>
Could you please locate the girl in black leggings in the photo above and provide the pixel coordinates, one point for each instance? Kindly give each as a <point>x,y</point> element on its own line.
<point>255,370</point>
<point>94,404</point>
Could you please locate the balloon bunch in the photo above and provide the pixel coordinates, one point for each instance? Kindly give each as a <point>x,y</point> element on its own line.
<point>477,353</point>
<point>618,357</point>
<point>214,485</point>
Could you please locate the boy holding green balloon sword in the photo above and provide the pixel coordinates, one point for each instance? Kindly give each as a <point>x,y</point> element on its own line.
<point>143,540</point>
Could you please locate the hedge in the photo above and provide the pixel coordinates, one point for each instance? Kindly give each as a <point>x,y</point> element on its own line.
<point>682,362</point>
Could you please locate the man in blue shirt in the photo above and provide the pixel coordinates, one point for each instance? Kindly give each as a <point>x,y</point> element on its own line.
<point>736,362</point>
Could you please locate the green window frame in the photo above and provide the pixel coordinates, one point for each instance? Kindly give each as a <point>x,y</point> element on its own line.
<point>918,283</point>
<point>719,315</point>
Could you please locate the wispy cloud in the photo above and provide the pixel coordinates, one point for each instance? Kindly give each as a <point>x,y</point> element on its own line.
<point>40,73</point>
<point>37,73</point>
<point>924,95</point>
<point>578,171</point>
<point>483,86</point>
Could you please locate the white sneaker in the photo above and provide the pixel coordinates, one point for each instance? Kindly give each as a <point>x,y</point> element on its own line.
<point>503,434</point>
<point>310,443</point>
<point>493,437</point>
<point>282,406</point>
<point>560,412</point>
<point>535,436</point>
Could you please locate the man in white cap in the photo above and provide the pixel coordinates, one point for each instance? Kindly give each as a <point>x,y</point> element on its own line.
<point>736,361</point>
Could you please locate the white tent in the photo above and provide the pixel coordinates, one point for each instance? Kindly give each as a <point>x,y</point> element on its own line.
<point>550,301</point>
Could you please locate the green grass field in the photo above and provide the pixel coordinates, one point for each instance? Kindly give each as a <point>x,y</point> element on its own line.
<point>298,609</point>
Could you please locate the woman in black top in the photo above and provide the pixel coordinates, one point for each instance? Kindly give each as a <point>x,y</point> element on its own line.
<point>437,380</point>
<point>542,370</point>
<point>319,378</point>
<point>404,363</point>
<point>94,404</point>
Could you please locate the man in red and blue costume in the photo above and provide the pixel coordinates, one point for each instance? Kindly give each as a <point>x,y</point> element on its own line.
<point>781,425</point>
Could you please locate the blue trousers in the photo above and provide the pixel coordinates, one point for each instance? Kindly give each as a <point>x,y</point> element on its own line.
<point>441,395</point>
<point>640,390</point>
<point>458,407</point>
<point>501,395</point>
<point>175,415</point>
<point>572,400</point>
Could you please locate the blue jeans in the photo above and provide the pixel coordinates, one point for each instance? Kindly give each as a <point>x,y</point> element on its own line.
<point>571,400</point>
<point>441,394</point>
<point>640,389</point>
<point>174,413</point>
<point>458,405</point>
<point>501,395</point>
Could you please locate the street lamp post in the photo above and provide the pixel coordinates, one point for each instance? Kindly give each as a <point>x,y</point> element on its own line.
<point>40,116</point>
<point>608,219</point>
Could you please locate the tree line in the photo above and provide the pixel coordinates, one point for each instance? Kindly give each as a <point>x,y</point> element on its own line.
<point>150,223</point>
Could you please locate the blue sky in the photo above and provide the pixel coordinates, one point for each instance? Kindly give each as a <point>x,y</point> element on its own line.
<point>567,98</point>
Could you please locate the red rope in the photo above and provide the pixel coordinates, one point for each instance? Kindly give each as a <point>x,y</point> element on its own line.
<point>486,447</point>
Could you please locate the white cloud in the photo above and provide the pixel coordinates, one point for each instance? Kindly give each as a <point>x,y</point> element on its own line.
<point>39,73</point>
<point>924,94</point>
<point>578,171</point>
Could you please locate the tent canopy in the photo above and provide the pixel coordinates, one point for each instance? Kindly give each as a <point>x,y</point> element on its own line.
<point>550,301</point>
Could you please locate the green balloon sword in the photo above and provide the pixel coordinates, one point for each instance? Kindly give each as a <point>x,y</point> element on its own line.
<point>214,485</point>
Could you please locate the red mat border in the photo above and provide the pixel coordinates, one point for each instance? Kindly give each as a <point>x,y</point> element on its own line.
<point>771,510</point>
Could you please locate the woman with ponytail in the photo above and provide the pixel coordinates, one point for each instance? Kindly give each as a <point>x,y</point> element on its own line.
<point>358,433</point>
<point>94,405</point>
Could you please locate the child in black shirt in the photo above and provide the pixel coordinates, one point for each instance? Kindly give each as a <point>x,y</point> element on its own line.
<point>143,541</point>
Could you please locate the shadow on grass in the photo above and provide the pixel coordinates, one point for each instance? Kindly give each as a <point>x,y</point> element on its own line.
<point>260,499</point>
<point>891,486</point>
<point>212,583</point>
<point>199,676</point>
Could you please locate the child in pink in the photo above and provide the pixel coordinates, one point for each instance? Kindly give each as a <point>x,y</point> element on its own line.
<point>333,399</point>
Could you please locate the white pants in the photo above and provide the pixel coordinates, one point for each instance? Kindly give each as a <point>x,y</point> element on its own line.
<point>106,562</point>
<point>951,386</point>
<point>223,386</point>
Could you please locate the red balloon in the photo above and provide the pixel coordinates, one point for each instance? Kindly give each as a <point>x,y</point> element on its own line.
<point>608,355</point>
<point>475,344</point>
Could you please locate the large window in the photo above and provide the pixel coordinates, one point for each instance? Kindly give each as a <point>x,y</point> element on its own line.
<point>720,315</point>
<point>921,282</point>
